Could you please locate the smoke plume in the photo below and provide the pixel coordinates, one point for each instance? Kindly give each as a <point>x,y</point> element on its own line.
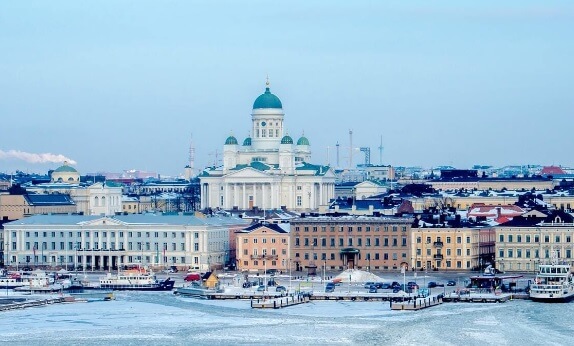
<point>35,158</point>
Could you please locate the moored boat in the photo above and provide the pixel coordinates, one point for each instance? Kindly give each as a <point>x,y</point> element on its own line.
<point>194,289</point>
<point>135,280</point>
<point>553,283</point>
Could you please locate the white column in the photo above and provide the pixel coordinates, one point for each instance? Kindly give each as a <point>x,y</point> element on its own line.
<point>263,195</point>
<point>272,191</point>
<point>244,198</point>
<point>234,195</point>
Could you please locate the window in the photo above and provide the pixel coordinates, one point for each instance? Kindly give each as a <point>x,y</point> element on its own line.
<point>448,240</point>
<point>509,252</point>
<point>528,239</point>
<point>386,241</point>
<point>299,201</point>
<point>519,238</point>
<point>332,242</point>
<point>510,238</point>
<point>557,239</point>
<point>458,240</point>
<point>377,241</point>
<point>367,241</point>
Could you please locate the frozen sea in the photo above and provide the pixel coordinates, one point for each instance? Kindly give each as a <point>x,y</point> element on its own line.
<point>161,318</point>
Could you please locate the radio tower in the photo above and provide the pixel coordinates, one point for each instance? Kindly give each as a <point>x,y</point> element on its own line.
<point>190,168</point>
<point>191,154</point>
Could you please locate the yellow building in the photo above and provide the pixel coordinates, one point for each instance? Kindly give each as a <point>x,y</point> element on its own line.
<point>463,248</point>
<point>521,244</point>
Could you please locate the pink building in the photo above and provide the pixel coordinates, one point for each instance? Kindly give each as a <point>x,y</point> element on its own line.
<point>263,246</point>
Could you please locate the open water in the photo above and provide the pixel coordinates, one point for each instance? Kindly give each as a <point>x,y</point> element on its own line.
<point>160,318</point>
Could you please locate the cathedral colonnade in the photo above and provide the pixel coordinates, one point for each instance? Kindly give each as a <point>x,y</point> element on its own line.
<point>266,195</point>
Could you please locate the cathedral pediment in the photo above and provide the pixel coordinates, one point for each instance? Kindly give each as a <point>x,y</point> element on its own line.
<point>247,172</point>
<point>103,221</point>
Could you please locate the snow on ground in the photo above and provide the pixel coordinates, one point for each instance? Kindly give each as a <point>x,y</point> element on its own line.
<point>354,275</point>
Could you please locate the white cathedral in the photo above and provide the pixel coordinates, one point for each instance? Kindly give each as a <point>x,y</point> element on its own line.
<point>268,171</point>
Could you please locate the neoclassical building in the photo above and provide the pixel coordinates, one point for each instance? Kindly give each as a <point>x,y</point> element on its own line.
<point>269,170</point>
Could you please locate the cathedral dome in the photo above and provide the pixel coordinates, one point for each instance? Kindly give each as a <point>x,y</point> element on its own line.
<point>231,141</point>
<point>66,168</point>
<point>247,142</point>
<point>286,140</point>
<point>267,100</point>
<point>303,141</point>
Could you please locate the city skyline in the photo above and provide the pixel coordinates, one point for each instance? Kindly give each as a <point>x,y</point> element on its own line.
<point>123,86</point>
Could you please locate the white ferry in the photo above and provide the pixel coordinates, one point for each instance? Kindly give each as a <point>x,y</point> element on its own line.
<point>553,283</point>
<point>136,280</point>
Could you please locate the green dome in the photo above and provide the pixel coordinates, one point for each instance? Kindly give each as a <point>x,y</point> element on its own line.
<point>231,141</point>
<point>303,141</point>
<point>65,168</point>
<point>286,140</point>
<point>247,141</point>
<point>267,100</point>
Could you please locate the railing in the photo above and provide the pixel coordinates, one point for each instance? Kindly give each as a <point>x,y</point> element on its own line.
<point>438,257</point>
<point>438,244</point>
<point>264,257</point>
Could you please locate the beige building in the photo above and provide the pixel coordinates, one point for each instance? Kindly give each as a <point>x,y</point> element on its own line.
<point>437,248</point>
<point>14,207</point>
<point>360,242</point>
<point>263,246</point>
<point>521,244</point>
<point>494,184</point>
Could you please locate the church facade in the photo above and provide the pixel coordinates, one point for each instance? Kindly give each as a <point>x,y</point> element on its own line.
<point>269,170</point>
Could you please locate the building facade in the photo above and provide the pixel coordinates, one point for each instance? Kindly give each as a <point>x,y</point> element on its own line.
<point>350,242</point>
<point>101,242</point>
<point>526,241</point>
<point>460,248</point>
<point>263,246</point>
<point>269,170</point>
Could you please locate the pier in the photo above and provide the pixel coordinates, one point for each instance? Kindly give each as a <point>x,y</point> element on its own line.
<point>416,303</point>
<point>14,304</point>
<point>468,297</point>
<point>278,303</point>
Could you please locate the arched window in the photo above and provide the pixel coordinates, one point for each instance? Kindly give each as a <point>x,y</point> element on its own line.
<point>96,201</point>
<point>103,201</point>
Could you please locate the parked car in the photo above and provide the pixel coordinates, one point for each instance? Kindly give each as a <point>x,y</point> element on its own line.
<point>246,284</point>
<point>368,284</point>
<point>451,283</point>
<point>431,284</point>
<point>280,289</point>
<point>386,286</point>
<point>192,277</point>
<point>330,287</point>
<point>261,288</point>
<point>395,284</point>
<point>271,271</point>
<point>373,289</point>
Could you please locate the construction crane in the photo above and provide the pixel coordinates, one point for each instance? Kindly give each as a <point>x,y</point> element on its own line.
<point>367,152</point>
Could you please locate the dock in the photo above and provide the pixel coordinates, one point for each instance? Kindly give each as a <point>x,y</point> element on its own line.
<point>471,297</point>
<point>14,304</point>
<point>278,303</point>
<point>416,303</point>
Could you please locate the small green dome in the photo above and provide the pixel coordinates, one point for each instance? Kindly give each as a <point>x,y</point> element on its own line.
<point>303,141</point>
<point>247,141</point>
<point>267,100</point>
<point>65,168</point>
<point>286,140</point>
<point>231,141</point>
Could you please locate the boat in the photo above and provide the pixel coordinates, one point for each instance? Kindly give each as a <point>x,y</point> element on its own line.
<point>553,282</point>
<point>12,281</point>
<point>194,289</point>
<point>135,280</point>
<point>40,282</point>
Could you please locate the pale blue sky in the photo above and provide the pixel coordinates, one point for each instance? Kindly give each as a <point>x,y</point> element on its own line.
<point>122,84</point>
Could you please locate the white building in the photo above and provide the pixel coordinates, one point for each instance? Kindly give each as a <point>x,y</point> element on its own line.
<point>269,170</point>
<point>100,242</point>
<point>96,199</point>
